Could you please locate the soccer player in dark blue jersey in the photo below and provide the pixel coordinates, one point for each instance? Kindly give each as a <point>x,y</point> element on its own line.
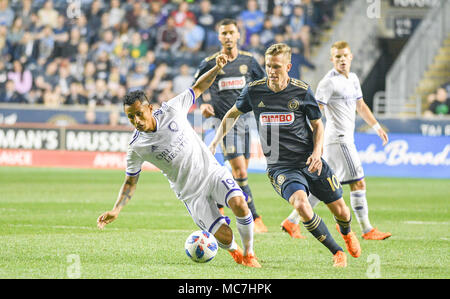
<point>291,134</point>
<point>242,68</point>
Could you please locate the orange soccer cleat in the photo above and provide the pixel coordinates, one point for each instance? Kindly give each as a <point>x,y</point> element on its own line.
<point>340,259</point>
<point>292,229</point>
<point>375,234</point>
<point>237,255</point>
<point>251,261</point>
<point>351,242</point>
<point>259,227</point>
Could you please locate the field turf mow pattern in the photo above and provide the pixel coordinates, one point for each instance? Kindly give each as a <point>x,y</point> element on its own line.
<point>48,230</point>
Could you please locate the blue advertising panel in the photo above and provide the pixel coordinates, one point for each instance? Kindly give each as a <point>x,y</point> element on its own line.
<point>406,155</point>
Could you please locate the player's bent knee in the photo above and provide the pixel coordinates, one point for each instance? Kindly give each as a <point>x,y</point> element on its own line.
<point>299,200</point>
<point>359,185</point>
<point>238,205</point>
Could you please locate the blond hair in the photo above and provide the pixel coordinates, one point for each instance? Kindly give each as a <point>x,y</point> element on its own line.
<point>340,45</point>
<point>277,49</point>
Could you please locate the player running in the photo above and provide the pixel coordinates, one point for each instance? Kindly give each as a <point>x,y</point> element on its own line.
<point>339,95</point>
<point>282,107</point>
<point>166,139</point>
<point>241,68</point>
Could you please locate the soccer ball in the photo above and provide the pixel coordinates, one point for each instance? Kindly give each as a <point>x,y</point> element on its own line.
<point>201,246</point>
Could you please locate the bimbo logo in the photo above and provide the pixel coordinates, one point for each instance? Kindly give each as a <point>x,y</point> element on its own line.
<point>231,83</point>
<point>280,118</point>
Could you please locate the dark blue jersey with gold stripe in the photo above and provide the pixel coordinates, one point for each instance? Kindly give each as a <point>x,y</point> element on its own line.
<point>231,80</point>
<point>282,118</point>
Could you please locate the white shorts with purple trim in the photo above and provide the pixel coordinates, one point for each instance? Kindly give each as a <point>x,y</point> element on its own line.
<point>203,208</point>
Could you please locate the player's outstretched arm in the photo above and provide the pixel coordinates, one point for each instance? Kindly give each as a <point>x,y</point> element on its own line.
<point>207,79</point>
<point>364,111</point>
<point>125,194</point>
<point>227,123</point>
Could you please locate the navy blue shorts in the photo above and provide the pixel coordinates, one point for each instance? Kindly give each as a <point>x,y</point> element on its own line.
<point>325,187</point>
<point>237,142</point>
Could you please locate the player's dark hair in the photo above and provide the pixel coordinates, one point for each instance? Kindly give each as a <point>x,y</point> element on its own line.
<point>134,96</point>
<point>225,22</point>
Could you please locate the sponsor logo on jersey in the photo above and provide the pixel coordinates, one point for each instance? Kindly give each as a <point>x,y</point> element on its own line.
<point>278,118</point>
<point>231,83</point>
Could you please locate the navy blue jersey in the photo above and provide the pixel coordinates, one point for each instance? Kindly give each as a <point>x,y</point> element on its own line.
<point>231,80</point>
<point>282,118</point>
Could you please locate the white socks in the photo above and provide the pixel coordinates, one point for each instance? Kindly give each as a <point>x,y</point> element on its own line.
<point>358,202</point>
<point>245,227</point>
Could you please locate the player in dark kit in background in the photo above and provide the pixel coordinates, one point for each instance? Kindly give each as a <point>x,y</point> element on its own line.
<point>241,69</point>
<point>293,149</point>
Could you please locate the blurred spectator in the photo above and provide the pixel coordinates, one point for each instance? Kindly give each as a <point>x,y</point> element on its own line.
<point>277,18</point>
<point>298,29</point>
<point>79,60</point>
<point>132,16</point>
<point>169,37</point>
<point>101,95</point>
<point>256,48</point>
<point>3,77</point>
<point>183,80</point>
<point>60,35</point>
<point>48,15</point>
<point>182,14</point>
<point>46,42</point>
<point>138,79</point>
<point>70,48</point>
<point>52,97</point>
<point>75,96</point>
<point>157,14</point>
<point>205,17</point>
<point>439,103</point>
<point>27,49</point>
<point>193,36</point>
<point>90,116</point>
<point>107,44</point>
<point>114,116</point>
<point>446,86</point>
<point>15,34</point>
<point>65,79</point>
<point>22,78</point>
<point>6,13</point>
<point>89,78</point>
<point>287,6</point>
<point>10,95</point>
<point>137,48</point>
<point>25,12</point>
<point>252,18</point>
<point>116,14</point>
<point>102,65</point>
<point>267,35</point>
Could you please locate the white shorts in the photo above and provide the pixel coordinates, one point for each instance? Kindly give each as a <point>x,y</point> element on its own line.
<point>343,158</point>
<point>203,208</point>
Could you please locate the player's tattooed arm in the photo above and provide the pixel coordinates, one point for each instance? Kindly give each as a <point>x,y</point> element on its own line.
<point>125,194</point>
<point>207,79</point>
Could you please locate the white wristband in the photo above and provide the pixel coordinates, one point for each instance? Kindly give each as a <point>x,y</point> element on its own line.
<point>376,127</point>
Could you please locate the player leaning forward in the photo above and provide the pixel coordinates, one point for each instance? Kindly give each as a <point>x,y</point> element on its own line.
<point>282,108</point>
<point>166,139</point>
<point>339,94</point>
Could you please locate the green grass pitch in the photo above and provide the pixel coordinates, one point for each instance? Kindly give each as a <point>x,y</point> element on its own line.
<point>48,230</point>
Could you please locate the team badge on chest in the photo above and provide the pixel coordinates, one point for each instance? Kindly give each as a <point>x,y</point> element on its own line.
<point>293,104</point>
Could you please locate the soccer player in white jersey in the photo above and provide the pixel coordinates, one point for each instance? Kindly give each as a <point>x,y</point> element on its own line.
<point>339,94</point>
<point>166,139</point>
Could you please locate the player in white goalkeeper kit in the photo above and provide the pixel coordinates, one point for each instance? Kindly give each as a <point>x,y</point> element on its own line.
<point>339,94</point>
<point>166,139</point>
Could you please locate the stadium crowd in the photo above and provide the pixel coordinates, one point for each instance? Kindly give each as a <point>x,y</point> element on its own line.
<point>92,52</point>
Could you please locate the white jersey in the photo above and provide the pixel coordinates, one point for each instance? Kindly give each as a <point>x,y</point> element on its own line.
<point>175,148</point>
<point>339,95</point>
